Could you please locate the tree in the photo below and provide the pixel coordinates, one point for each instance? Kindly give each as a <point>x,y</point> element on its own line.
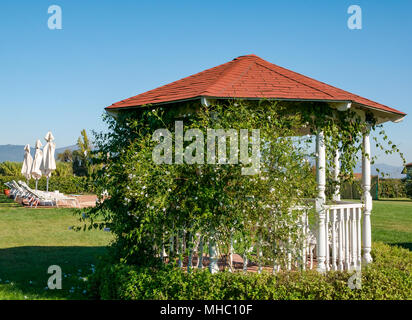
<point>65,156</point>
<point>82,157</point>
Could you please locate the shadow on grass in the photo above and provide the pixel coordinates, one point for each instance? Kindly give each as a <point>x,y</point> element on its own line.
<point>406,245</point>
<point>394,200</point>
<point>23,271</point>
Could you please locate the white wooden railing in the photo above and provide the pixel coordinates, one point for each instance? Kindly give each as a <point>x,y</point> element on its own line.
<point>344,240</point>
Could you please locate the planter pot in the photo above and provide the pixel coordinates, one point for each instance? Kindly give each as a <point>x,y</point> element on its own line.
<point>6,192</point>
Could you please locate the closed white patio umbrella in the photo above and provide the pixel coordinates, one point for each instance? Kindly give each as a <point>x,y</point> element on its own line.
<point>38,158</point>
<point>49,163</point>
<point>27,163</point>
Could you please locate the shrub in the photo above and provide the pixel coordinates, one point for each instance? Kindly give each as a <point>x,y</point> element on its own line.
<point>388,277</point>
<point>409,188</point>
<point>392,188</point>
<point>8,168</point>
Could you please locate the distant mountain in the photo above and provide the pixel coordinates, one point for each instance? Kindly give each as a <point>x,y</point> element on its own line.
<point>71,148</point>
<point>10,152</point>
<point>393,171</point>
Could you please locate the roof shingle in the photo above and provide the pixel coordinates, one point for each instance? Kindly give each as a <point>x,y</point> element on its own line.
<point>247,77</point>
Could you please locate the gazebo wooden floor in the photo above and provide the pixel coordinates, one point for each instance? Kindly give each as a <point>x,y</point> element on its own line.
<point>237,264</point>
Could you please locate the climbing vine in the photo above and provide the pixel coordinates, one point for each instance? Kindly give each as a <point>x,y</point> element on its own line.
<point>153,209</point>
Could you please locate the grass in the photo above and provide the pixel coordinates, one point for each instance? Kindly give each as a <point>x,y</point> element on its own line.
<point>33,239</point>
<point>392,222</point>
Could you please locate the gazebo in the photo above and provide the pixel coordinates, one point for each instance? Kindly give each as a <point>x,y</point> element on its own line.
<point>252,78</point>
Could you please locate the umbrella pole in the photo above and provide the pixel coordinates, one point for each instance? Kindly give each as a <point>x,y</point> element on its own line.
<point>47,186</point>
<point>36,183</point>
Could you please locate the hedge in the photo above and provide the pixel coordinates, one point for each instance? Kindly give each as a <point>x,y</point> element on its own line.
<point>386,188</point>
<point>392,188</point>
<point>409,188</point>
<point>388,277</point>
<point>68,184</point>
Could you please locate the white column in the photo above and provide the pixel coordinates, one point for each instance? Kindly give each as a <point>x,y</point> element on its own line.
<point>321,199</point>
<point>367,199</point>
<point>336,195</point>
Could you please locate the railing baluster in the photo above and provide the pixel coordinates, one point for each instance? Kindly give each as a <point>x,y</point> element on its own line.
<point>327,239</point>
<point>354,239</point>
<point>346,223</point>
<point>304,242</point>
<point>231,252</point>
<point>334,266</point>
<point>259,253</point>
<point>179,244</point>
<point>350,237</point>
<point>289,254</point>
<point>200,253</point>
<point>190,257</point>
<point>275,264</point>
<point>340,240</point>
<point>359,238</point>
<point>245,261</point>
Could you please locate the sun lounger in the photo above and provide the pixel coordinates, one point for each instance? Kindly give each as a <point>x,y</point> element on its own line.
<point>51,198</point>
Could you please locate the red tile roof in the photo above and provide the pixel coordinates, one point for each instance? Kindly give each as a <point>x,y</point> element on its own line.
<point>247,77</point>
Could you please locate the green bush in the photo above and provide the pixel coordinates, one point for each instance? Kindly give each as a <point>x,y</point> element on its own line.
<point>65,184</point>
<point>8,168</point>
<point>408,188</point>
<point>392,188</point>
<point>388,277</point>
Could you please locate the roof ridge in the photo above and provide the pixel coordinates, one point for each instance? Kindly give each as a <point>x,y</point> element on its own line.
<point>295,80</point>
<point>171,83</point>
<point>315,80</point>
<point>235,63</point>
<point>340,91</point>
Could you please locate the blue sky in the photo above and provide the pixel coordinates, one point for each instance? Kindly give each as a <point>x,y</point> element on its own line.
<point>60,80</point>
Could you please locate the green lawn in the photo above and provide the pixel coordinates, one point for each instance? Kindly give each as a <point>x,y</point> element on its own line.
<point>33,239</point>
<point>392,222</point>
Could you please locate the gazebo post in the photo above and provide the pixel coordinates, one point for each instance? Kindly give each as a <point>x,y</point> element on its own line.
<point>367,198</point>
<point>336,194</point>
<point>321,200</point>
